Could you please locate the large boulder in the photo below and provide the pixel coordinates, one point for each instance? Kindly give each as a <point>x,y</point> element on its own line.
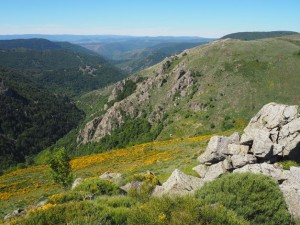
<point>178,184</point>
<point>217,149</point>
<point>270,170</point>
<point>274,131</point>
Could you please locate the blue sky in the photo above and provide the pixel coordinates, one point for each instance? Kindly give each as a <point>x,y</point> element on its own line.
<point>209,18</point>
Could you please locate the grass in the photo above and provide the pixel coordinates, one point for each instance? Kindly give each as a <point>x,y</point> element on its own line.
<point>25,187</point>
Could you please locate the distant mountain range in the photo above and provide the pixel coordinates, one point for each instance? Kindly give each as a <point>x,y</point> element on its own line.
<point>247,36</point>
<point>129,53</point>
<point>59,66</point>
<point>102,38</point>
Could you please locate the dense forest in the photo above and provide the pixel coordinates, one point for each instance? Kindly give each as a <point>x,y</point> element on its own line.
<point>31,118</point>
<point>59,66</point>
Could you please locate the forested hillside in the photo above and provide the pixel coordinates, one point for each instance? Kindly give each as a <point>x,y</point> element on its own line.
<point>31,118</point>
<point>59,66</point>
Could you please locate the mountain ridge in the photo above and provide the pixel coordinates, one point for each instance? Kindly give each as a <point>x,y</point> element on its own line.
<point>194,89</point>
<point>255,35</point>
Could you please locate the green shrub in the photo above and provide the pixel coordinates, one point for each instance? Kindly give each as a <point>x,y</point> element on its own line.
<point>96,186</point>
<point>61,168</point>
<point>65,197</point>
<point>148,183</point>
<point>85,212</point>
<point>255,197</point>
<point>227,123</point>
<point>181,210</point>
<point>116,201</point>
<point>288,163</point>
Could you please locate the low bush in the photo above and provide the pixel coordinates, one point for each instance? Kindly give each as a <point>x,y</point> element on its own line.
<point>255,197</point>
<point>181,210</point>
<point>76,213</point>
<point>65,197</point>
<point>116,201</point>
<point>148,183</point>
<point>288,163</point>
<point>95,186</point>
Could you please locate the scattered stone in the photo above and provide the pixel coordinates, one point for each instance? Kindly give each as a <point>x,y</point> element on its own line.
<point>113,177</point>
<point>15,213</point>
<point>178,184</point>
<point>76,182</point>
<point>42,203</point>
<point>132,185</point>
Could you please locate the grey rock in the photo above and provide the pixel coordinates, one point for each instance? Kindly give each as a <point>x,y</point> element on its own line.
<point>272,115</point>
<point>262,145</point>
<point>216,170</point>
<point>290,189</point>
<point>237,149</point>
<point>273,131</point>
<point>76,182</point>
<point>267,169</point>
<point>131,186</point>
<point>201,170</point>
<point>217,149</point>
<point>42,203</point>
<point>15,213</point>
<point>241,160</point>
<point>178,184</point>
<point>113,177</point>
<point>295,174</point>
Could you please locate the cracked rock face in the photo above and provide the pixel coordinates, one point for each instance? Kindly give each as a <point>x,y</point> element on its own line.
<point>217,149</point>
<point>274,131</point>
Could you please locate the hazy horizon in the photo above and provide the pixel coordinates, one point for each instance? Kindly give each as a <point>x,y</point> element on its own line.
<point>209,19</point>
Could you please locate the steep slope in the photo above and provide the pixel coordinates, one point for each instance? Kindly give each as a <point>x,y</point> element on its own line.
<point>206,89</point>
<point>247,36</point>
<point>59,66</point>
<point>31,118</point>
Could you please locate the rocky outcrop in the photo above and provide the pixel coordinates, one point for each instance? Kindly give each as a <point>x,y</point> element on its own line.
<point>178,184</point>
<point>272,135</point>
<point>119,87</point>
<point>274,131</point>
<point>115,114</point>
